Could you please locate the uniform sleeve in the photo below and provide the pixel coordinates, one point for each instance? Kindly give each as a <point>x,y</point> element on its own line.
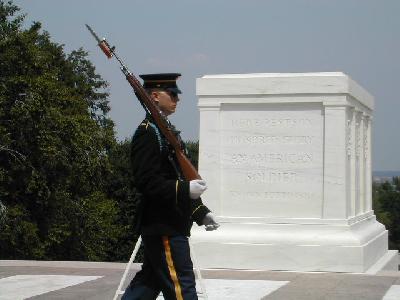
<point>146,165</point>
<point>199,211</point>
<point>196,208</point>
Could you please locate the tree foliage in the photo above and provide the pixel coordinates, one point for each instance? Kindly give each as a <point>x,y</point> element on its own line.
<point>54,142</point>
<point>386,202</point>
<point>193,149</point>
<point>120,187</point>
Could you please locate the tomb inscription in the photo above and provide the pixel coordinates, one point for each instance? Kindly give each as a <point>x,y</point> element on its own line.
<point>272,157</point>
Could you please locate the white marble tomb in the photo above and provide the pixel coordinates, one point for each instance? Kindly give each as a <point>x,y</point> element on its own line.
<point>287,160</point>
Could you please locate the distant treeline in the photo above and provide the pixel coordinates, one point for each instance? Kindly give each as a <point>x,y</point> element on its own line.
<point>386,174</point>
<point>386,204</point>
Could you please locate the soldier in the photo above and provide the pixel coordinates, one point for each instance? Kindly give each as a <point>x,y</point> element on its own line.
<point>170,204</point>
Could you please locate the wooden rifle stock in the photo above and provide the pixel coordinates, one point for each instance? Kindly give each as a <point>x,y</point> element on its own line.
<point>188,170</point>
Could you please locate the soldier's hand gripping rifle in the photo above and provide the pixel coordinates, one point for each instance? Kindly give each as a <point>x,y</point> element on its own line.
<point>188,170</point>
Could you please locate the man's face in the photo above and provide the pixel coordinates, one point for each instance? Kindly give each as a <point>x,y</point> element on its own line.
<point>167,101</point>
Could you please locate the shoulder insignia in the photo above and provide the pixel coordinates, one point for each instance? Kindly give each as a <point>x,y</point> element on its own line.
<point>145,123</point>
<point>144,127</point>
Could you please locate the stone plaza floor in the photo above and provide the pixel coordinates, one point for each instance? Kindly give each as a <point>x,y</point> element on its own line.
<point>42,280</point>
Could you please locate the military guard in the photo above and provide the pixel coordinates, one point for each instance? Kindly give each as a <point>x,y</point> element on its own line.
<point>170,204</point>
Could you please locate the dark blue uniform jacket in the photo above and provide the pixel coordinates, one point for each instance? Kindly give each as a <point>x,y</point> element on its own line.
<point>167,207</point>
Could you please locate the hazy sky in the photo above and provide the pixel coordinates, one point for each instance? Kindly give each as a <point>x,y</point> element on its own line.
<point>358,37</point>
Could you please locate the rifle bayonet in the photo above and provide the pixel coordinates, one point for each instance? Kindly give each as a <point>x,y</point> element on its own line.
<point>105,47</point>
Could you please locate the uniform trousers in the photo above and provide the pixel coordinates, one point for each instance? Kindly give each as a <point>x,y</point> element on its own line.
<point>167,267</point>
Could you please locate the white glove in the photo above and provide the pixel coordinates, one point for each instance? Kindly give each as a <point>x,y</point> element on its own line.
<point>210,222</point>
<point>197,187</point>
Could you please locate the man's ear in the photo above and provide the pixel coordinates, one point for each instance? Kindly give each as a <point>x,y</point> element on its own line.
<point>154,95</point>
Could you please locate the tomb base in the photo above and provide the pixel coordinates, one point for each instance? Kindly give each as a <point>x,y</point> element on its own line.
<point>358,245</point>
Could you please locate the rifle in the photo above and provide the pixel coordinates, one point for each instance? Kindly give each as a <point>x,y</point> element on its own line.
<point>188,170</point>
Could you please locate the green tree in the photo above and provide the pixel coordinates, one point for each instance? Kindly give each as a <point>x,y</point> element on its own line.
<point>386,203</point>
<point>193,149</point>
<point>3,213</point>
<point>121,188</point>
<point>55,137</point>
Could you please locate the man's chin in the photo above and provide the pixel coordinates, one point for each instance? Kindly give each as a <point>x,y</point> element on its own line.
<point>168,112</point>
